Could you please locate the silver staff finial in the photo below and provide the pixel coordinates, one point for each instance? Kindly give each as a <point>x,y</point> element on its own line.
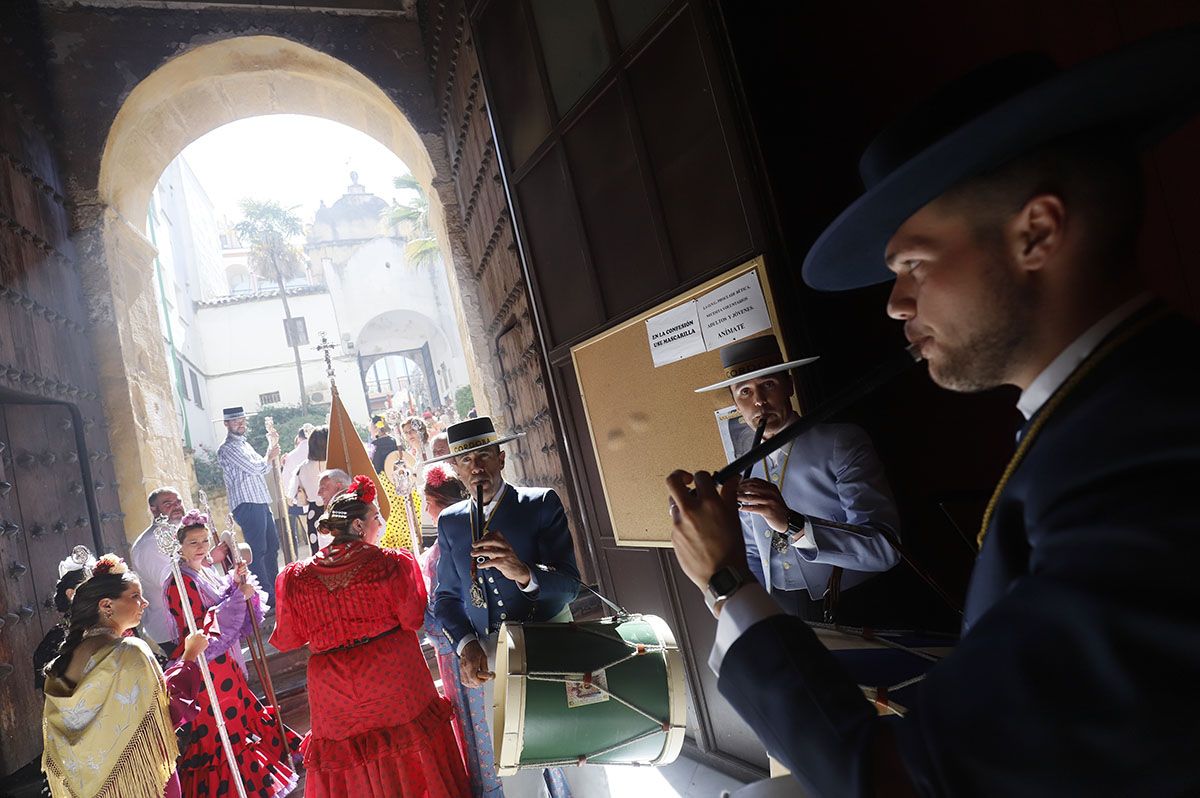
<point>165,536</point>
<point>81,555</point>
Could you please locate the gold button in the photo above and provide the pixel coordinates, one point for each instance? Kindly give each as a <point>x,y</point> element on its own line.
<point>787,565</point>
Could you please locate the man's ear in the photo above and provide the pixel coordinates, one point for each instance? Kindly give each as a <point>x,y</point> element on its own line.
<point>501,459</point>
<point>1037,232</point>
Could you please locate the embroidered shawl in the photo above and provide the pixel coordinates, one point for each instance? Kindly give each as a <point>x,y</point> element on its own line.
<point>111,735</point>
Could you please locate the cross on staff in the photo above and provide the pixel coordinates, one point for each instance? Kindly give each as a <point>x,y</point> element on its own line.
<point>326,349</point>
<point>165,536</point>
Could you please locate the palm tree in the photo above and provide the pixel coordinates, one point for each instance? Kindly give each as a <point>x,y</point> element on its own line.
<point>268,228</point>
<point>413,219</point>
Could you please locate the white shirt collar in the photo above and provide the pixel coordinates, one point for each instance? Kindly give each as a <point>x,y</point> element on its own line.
<point>1054,375</point>
<point>487,508</point>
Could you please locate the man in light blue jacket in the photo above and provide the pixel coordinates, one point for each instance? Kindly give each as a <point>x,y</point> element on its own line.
<point>814,514</point>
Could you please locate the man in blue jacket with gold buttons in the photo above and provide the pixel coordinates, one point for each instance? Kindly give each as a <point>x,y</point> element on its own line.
<point>511,560</point>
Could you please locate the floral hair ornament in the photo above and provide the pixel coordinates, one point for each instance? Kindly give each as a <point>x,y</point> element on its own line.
<point>110,564</point>
<point>435,476</point>
<point>81,559</point>
<point>193,518</point>
<point>363,488</point>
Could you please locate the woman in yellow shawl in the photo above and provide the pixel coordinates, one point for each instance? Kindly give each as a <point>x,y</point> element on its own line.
<point>110,711</point>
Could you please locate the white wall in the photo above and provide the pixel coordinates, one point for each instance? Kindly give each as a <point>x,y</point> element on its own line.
<point>388,305</point>
<point>247,354</point>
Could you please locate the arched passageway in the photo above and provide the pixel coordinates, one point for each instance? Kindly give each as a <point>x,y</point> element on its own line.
<point>208,86</point>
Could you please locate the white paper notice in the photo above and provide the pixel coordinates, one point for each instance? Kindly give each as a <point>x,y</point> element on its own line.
<point>733,311</point>
<point>674,334</point>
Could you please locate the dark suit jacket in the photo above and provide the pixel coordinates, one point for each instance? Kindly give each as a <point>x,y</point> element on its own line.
<point>1077,671</point>
<point>535,524</point>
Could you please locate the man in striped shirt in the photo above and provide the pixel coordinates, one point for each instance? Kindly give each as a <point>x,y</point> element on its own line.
<point>244,469</point>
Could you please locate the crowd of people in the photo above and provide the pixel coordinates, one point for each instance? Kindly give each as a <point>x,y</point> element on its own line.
<point>1007,210</point>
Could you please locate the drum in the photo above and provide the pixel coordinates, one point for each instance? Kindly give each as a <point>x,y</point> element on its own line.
<point>604,692</point>
<point>887,665</point>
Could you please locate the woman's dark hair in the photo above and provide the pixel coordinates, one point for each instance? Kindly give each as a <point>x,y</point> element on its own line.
<point>182,533</point>
<point>318,444</point>
<point>354,503</point>
<point>69,580</point>
<point>85,613</point>
<point>446,491</point>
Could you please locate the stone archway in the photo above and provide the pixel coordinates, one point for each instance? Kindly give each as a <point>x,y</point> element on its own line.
<point>184,98</point>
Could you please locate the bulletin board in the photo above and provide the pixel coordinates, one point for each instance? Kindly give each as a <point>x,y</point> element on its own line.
<point>645,422</point>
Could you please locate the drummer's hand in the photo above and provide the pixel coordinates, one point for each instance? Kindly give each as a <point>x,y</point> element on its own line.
<point>708,534</point>
<point>472,665</point>
<point>194,645</point>
<point>763,498</point>
<point>501,556</point>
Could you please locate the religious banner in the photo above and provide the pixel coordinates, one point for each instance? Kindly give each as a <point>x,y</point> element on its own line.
<point>347,452</point>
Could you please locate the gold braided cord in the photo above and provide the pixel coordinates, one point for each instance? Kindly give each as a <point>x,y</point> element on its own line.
<point>1056,399</point>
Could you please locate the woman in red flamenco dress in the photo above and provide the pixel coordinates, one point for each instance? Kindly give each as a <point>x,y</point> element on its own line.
<point>264,754</point>
<point>379,727</point>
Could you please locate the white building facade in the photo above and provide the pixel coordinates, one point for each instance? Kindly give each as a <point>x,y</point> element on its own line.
<point>393,325</point>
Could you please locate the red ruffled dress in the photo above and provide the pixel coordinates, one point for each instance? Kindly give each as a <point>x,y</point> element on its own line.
<point>264,757</point>
<point>379,727</point>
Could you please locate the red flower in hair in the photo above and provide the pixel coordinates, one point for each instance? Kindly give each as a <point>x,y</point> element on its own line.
<point>435,477</point>
<point>363,488</point>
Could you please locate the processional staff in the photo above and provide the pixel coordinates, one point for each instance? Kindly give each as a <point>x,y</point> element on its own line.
<point>258,652</point>
<point>166,535</point>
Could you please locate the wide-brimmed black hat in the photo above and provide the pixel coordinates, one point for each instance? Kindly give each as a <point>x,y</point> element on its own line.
<point>467,436</point>
<point>752,358</point>
<point>994,114</point>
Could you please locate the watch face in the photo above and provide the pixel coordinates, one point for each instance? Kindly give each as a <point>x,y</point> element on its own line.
<point>723,581</point>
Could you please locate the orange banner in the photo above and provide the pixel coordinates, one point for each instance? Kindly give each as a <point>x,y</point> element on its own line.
<point>347,452</point>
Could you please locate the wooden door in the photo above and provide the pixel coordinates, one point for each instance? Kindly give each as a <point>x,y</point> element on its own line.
<point>43,515</point>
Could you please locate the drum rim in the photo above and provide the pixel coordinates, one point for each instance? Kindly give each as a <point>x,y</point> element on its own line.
<point>677,690</point>
<point>508,698</point>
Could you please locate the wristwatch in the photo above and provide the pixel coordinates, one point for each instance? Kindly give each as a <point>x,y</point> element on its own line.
<point>723,584</point>
<point>796,522</point>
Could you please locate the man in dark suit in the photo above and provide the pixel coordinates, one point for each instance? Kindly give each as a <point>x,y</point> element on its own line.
<point>1008,209</point>
<point>528,570</point>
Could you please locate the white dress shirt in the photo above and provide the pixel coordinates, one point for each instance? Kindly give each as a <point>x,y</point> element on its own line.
<point>153,569</point>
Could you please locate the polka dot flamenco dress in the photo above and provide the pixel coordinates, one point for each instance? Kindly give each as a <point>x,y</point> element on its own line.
<point>264,759</point>
<point>379,727</point>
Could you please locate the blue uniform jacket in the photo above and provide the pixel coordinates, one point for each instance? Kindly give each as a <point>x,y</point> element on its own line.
<point>1076,671</point>
<point>535,524</point>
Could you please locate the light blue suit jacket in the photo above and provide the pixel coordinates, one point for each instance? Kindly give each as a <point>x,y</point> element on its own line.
<point>535,524</point>
<point>835,478</point>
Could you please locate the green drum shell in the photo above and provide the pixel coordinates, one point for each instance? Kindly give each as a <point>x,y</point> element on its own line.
<point>653,682</point>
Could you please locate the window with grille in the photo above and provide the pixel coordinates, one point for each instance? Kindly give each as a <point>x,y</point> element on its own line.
<point>196,391</point>
<point>268,398</point>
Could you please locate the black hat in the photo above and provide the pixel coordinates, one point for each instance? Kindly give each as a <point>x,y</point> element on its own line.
<point>232,413</point>
<point>467,436</point>
<point>991,116</point>
<point>752,358</point>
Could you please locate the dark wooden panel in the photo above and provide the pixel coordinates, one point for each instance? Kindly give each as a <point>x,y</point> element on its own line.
<point>20,705</point>
<point>616,211</point>
<point>513,84</point>
<point>556,251</point>
<point>689,149</point>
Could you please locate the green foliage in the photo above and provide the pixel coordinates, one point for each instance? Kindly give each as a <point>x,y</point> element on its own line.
<point>464,400</point>
<point>208,473</point>
<point>288,421</point>
<point>413,218</point>
<point>268,228</point>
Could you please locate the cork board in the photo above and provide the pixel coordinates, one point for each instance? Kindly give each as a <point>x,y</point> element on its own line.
<point>645,422</point>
